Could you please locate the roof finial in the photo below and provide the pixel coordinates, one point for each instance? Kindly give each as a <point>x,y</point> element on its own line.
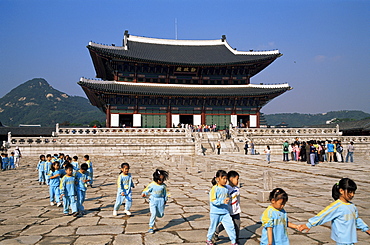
<point>223,38</point>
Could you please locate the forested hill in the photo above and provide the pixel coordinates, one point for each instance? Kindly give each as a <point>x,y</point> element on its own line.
<point>36,102</point>
<point>301,120</point>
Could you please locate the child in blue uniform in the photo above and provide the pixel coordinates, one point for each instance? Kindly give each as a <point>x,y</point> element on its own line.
<point>158,196</point>
<point>68,191</point>
<point>41,169</point>
<point>75,163</point>
<point>82,178</point>
<point>342,213</point>
<point>47,167</point>
<point>124,185</point>
<point>54,183</point>
<point>234,207</point>
<point>219,208</point>
<point>5,160</point>
<point>90,169</point>
<point>11,161</point>
<point>275,220</point>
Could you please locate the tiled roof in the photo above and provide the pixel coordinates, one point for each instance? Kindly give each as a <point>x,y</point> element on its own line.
<point>181,52</point>
<point>27,131</point>
<point>182,90</point>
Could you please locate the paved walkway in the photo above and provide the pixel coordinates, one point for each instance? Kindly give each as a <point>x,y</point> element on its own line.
<point>27,218</point>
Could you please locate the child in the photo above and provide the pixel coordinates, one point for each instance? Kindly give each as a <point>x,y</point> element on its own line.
<point>234,208</point>
<point>268,153</point>
<point>68,191</point>
<point>158,196</point>
<point>54,183</point>
<point>11,161</point>
<point>82,178</point>
<point>47,167</point>
<point>275,219</point>
<point>219,212</point>
<point>75,163</point>
<point>5,161</point>
<point>90,169</point>
<point>342,213</point>
<point>41,168</point>
<point>124,184</point>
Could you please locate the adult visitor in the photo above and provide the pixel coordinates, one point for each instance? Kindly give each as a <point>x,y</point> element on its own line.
<point>17,156</point>
<point>330,149</point>
<point>286,151</point>
<point>246,148</point>
<point>350,151</point>
<point>252,148</point>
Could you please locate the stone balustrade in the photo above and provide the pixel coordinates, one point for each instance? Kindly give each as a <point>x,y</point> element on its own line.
<point>285,131</point>
<point>123,131</point>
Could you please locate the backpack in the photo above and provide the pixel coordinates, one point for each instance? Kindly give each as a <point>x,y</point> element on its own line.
<point>285,148</point>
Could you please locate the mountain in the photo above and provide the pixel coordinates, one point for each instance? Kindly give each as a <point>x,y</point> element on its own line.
<point>37,102</point>
<point>301,120</point>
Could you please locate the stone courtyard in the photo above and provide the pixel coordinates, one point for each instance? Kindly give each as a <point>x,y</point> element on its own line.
<point>26,216</point>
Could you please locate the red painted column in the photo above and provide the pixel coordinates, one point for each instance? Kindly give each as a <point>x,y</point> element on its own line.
<point>107,122</point>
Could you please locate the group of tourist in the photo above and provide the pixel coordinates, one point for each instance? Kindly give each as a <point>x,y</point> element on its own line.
<point>10,162</point>
<point>316,151</point>
<point>67,180</point>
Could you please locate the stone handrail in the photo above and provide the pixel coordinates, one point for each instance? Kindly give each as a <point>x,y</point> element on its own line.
<point>123,131</point>
<point>100,141</point>
<point>285,131</point>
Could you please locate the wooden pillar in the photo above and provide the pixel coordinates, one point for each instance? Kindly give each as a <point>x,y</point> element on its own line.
<point>258,119</point>
<point>168,118</point>
<point>107,121</point>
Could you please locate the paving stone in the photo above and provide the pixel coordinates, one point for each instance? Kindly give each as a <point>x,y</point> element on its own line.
<point>94,240</point>
<point>99,230</point>
<point>124,239</point>
<point>193,235</point>
<point>21,240</point>
<point>49,240</point>
<point>83,221</point>
<point>159,238</point>
<point>38,230</point>
<point>136,228</point>
<point>63,231</point>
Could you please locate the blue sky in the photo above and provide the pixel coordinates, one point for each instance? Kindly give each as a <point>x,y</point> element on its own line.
<point>325,44</point>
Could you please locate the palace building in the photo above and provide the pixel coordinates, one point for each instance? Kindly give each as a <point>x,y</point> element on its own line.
<point>157,83</point>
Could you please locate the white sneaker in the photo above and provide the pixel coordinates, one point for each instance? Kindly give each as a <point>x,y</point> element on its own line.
<point>114,213</point>
<point>52,203</point>
<point>59,204</point>
<point>127,212</point>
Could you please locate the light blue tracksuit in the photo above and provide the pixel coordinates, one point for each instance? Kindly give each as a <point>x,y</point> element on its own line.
<point>41,168</point>
<point>81,188</point>
<point>68,189</point>
<point>54,185</point>
<point>219,212</point>
<point>124,185</point>
<point>157,200</point>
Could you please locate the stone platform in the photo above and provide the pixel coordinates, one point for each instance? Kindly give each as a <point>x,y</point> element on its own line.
<point>27,218</point>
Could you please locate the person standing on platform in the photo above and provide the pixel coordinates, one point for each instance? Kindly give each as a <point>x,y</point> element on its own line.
<point>246,148</point>
<point>350,151</point>
<point>268,154</point>
<point>330,149</point>
<point>286,151</point>
<point>17,156</point>
<point>218,146</point>
<point>252,148</point>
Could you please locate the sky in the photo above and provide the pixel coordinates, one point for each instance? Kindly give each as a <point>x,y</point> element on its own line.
<point>325,44</point>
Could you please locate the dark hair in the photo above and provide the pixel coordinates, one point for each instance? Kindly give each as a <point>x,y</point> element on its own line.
<point>68,165</point>
<point>48,155</point>
<point>52,168</point>
<point>75,158</point>
<point>345,184</point>
<point>219,173</point>
<point>87,157</point>
<point>277,194</point>
<point>157,174</point>
<point>268,147</point>
<point>42,156</point>
<point>232,174</point>
<point>123,165</point>
<point>84,166</point>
